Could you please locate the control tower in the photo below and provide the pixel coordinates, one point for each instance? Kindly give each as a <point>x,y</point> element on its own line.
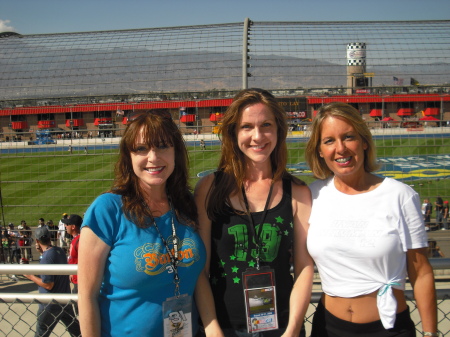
<point>356,67</point>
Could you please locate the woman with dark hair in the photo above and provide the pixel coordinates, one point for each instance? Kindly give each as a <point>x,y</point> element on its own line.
<point>253,219</point>
<point>366,235</point>
<point>139,253</point>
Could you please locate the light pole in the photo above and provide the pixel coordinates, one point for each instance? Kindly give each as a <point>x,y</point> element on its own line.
<point>71,125</point>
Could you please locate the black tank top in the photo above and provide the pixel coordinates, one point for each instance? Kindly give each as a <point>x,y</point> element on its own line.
<point>233,251</point>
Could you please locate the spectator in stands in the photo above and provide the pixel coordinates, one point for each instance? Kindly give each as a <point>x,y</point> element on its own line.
<point>6,255</point>
<point>53,231</point>
<point>49,315</point>
<point>427,210</point>
<point>73,225</point>
<point>366,235</point>
<point>439,208</point>
<point>41,222</point>
<point>14,247</point>
<point>21,240</point>
<point>445,216</point>
<point>62,230</point>
<point>26,233</point>
<point>6,250</point>
<point>138,245</point>
<point>253,213</point>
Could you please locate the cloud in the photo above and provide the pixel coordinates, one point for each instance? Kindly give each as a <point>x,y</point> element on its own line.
<point>5,27</point>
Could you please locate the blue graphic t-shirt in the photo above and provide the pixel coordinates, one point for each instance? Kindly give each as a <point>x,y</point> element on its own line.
<point>138,275</point>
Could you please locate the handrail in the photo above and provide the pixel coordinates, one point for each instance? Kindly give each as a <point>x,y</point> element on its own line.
<point>39,269</point>
<point>37,297</point>
<point>71,269</point>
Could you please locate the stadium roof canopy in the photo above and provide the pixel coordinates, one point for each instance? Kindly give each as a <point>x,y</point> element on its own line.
<point>158,61</point>
<point>116,62</point>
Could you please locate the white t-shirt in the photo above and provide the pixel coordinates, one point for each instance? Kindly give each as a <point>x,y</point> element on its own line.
<point>359,242</point>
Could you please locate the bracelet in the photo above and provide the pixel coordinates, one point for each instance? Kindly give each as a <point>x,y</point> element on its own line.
<point>431,334</point>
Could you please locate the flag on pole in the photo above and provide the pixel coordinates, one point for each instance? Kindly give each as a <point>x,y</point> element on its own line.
<point>414,81</point>
<point>398,81</point>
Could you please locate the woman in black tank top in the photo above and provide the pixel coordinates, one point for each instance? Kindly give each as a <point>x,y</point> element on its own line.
<point>253,214</point>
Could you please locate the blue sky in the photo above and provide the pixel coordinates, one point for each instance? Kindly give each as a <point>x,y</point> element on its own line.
<point>62,16</point>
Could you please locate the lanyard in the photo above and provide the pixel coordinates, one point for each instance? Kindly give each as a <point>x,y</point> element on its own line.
<point>173,255</point>
<point>258,240</point>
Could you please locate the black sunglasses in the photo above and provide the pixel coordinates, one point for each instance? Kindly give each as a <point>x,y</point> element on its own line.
<point>135,115</point>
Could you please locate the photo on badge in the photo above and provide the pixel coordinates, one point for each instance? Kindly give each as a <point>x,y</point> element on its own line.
<point>260,300</point>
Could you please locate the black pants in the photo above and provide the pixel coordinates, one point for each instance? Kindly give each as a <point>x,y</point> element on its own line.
<point>327,325</point>
<point>50,315</point>
<point>15,255</point>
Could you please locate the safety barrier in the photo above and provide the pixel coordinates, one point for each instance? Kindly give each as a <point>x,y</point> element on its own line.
<point>18,309</point>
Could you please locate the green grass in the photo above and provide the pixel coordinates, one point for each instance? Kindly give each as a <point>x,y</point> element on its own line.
<point>35,185</point>
<point>46,184</point>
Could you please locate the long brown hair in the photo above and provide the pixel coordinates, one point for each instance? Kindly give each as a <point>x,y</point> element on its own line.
<point>232,160</point>
<point>157,129</point>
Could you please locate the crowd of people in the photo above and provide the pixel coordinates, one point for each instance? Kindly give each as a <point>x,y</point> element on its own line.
<point>17,241</point>
<point>440,216</point>
<point>156,260</point>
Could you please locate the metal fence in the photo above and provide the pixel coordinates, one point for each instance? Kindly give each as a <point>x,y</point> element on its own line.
<point>18,309</point>
<point>206,62</point>
<point>68,77</point>
<point>48,180</point>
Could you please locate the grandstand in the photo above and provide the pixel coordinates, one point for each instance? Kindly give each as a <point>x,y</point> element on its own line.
<point>81,86</point>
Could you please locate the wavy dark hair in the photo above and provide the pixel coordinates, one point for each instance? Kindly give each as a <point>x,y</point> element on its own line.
<point>156,129</point>
<point>232,160</point>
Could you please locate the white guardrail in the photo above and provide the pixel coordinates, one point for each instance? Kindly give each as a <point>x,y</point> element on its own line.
<point>51,269</point>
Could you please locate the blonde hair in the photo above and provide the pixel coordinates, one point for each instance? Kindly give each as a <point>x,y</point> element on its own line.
<point>351,116</point>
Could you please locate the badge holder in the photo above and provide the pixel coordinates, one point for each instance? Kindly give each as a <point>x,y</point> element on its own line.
<point>177,316</point>
<point>177,310</point>
<point>260,299</point>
